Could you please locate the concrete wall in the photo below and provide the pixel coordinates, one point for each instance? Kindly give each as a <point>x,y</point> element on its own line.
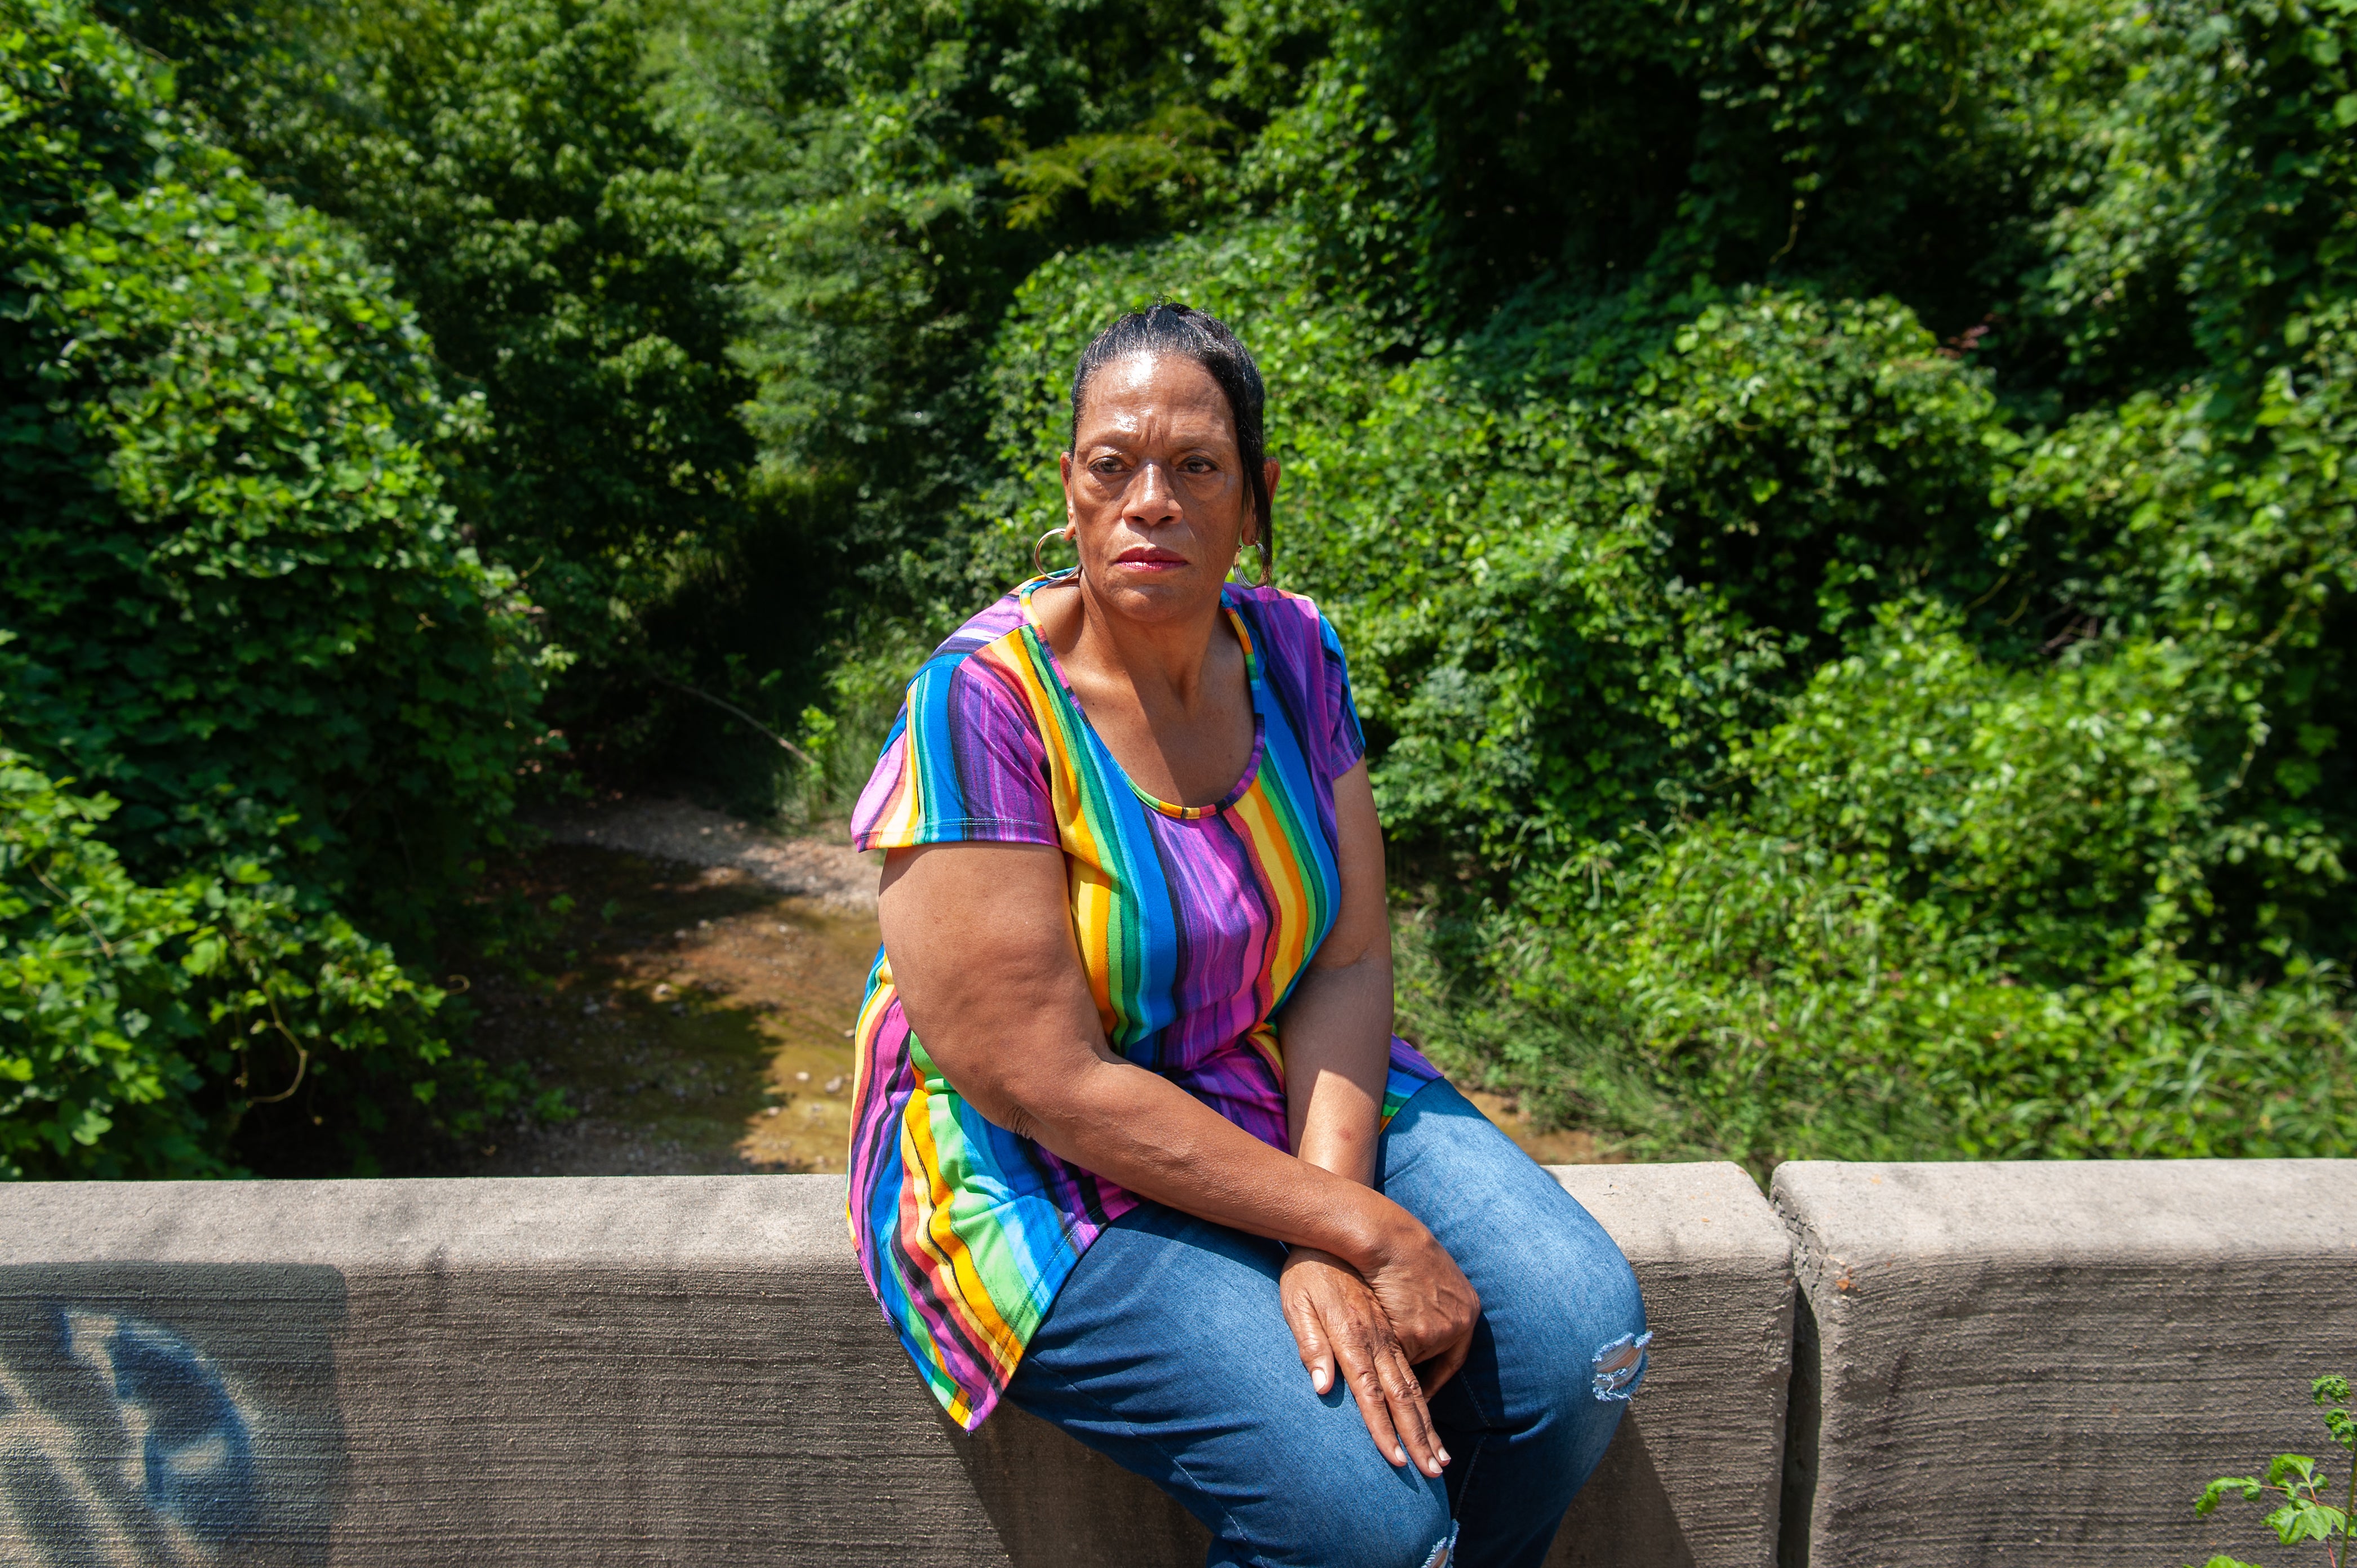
<point>1996,1365</point>
<point>2042,1364</point>
<point>680,1370</point>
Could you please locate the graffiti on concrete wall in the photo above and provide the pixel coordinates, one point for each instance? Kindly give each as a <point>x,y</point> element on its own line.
<point>128,1447</point>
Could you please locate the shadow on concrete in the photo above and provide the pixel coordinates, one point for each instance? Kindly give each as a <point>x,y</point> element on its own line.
<point>1625,1514</point>
<point>1804,1424</point>
<point>169,1413</point>
<point>1054,1501</point>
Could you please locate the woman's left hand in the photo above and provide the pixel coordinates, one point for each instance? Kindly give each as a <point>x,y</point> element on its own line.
<point>1341,1327</point>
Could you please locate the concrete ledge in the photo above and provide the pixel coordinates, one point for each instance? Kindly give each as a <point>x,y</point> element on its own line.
<point>1691,1476</point>
<point>2035,1364</point>
<point>678,1371</point>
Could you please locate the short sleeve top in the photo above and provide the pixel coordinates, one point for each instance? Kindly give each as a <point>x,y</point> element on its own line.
<point>1193,922</point>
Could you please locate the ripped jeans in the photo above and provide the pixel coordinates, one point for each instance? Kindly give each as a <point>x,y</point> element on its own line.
<point>1166,1351</point>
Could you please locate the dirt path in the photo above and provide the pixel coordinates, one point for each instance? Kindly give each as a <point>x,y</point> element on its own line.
<point>694,996</point>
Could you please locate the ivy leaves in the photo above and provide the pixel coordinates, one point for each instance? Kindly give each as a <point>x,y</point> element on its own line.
<point>236,602</point>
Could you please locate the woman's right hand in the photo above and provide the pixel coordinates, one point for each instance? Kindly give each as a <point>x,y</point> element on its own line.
<point>1394,1332</point>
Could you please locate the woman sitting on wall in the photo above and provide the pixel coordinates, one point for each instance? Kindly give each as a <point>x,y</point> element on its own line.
<point>1134,1146</point>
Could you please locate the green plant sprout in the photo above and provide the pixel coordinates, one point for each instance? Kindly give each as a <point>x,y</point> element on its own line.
<point>2303,1514</point>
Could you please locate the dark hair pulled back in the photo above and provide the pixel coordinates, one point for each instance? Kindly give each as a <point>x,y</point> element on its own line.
<point>1204,338</point>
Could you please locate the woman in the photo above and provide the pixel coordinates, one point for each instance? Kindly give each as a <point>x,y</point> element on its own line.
<point>1134,1146</point>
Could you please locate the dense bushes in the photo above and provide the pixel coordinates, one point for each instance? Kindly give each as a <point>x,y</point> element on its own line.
<point>503,162</point>
<point>1958,912</point>
<point>235,602</point>
<point>97,1080</point>
<point>145,1021</point>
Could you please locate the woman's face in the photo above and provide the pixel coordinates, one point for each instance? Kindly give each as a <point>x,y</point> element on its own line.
<point>1154,488</point>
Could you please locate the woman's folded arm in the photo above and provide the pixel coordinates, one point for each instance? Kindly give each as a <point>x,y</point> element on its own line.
<point>983,957</point>
<point>982,953</point>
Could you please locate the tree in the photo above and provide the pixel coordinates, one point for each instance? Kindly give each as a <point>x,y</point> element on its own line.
<point>234,597</point>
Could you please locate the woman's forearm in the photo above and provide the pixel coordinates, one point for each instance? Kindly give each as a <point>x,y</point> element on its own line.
<point>1336,1028</point>
<point>1337,1032</point>
<point>1145,1132</point>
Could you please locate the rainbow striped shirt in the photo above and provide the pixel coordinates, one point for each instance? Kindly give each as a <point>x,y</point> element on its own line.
<point>1193,922</point>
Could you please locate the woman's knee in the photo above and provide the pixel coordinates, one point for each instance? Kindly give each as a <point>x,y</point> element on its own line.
<point>1617,1321</point>
<point>1546,1268</point>
<point>1334,1501</point>
<point>1572,1343</point>
<point>1401,1530</point>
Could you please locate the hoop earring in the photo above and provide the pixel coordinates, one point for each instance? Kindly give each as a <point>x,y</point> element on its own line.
<point>1039,566</point>
<point>1253,545</point>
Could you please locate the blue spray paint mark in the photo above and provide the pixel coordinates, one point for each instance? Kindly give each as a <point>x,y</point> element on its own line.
<point>195,1448</point>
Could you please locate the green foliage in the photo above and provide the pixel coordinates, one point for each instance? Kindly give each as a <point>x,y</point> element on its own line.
<point>502,157</point>
<point>1577,588</point>
<point>566,251</point>
<point>2196,181</point>
<point>234,599</point>
<point>1838,510</point>
<point>1170,156</point>
<point>2303,1514</point>
<point>236,593</point>
<point>1951,914</point>
<point>557,242</point>
<point>140,1016</point>
<point>2120,191</point>
<point>92,1007</point>
<point>895,170</point>
<point>1470,153</point>
<point>2236,538</point>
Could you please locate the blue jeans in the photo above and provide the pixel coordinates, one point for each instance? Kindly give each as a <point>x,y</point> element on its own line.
<point>1166,1350</point>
